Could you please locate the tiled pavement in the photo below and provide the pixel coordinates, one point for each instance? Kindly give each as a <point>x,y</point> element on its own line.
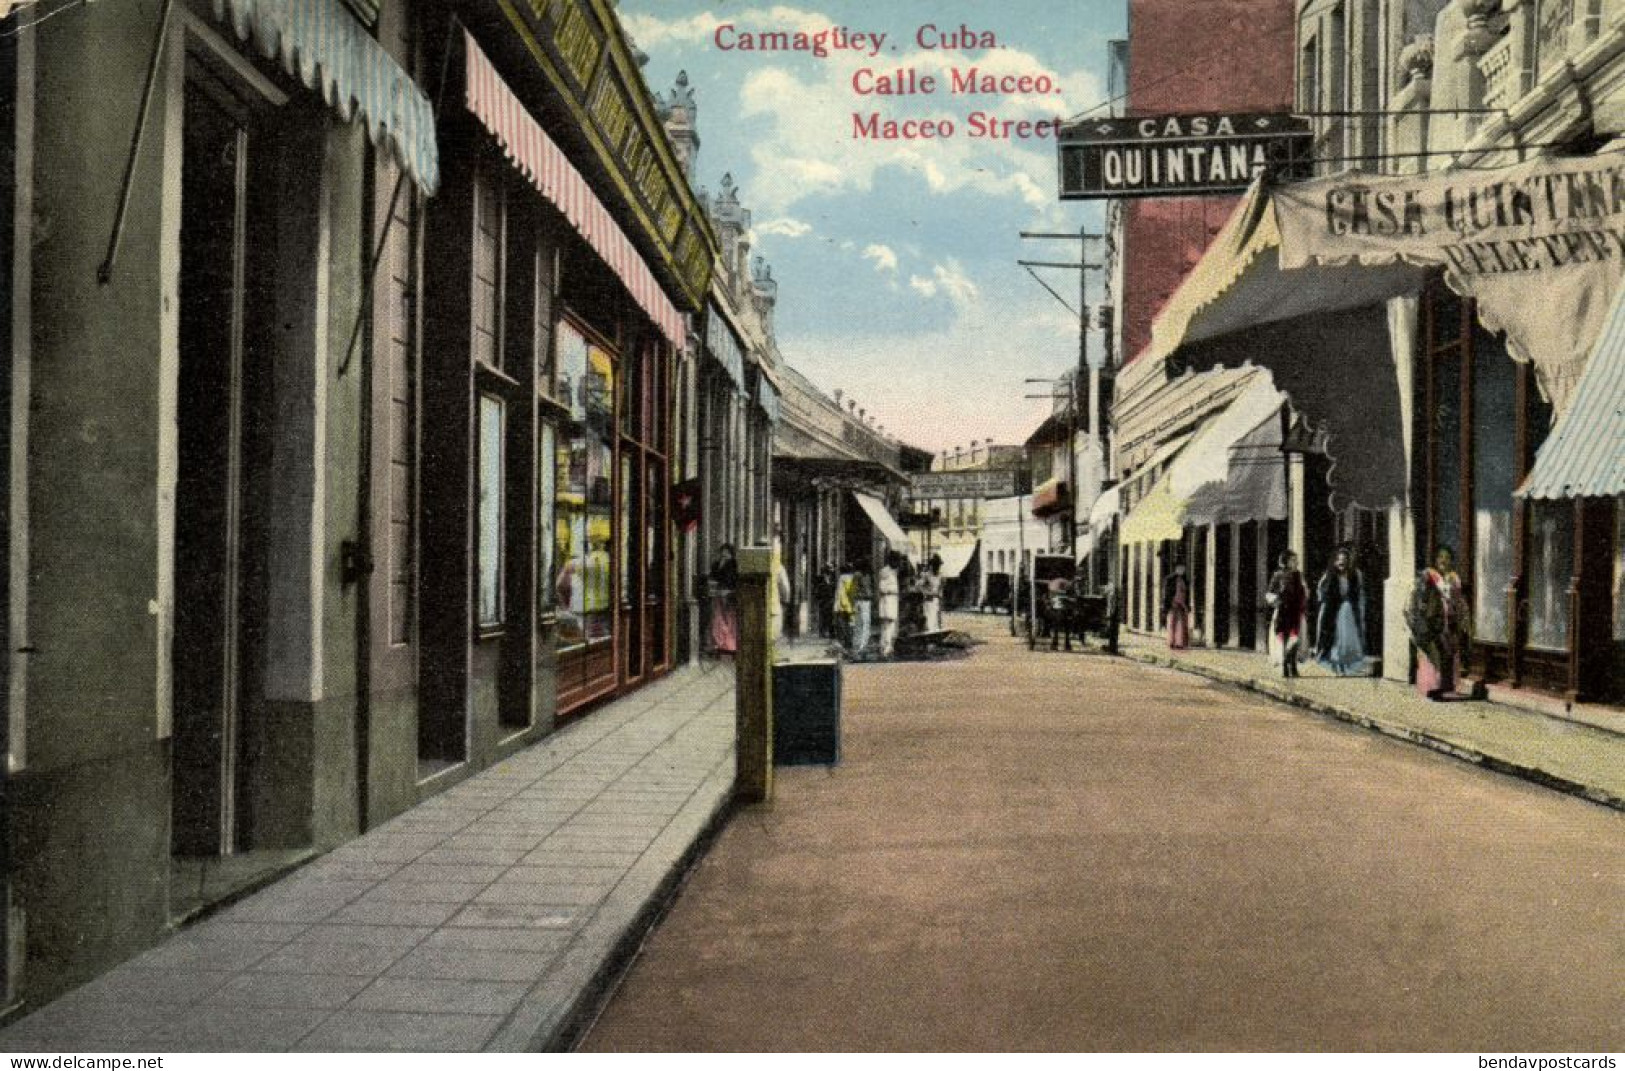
<point>480,920</point>
<point>1584,759</point>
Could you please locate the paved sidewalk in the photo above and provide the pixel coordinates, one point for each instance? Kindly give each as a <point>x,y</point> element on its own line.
<point>486,919</point>
<point>1583,759</point>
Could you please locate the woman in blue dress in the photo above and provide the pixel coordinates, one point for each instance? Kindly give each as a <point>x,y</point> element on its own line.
<point>1340,623</point>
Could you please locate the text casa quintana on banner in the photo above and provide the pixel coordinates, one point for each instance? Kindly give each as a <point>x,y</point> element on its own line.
<point>1540,245</point>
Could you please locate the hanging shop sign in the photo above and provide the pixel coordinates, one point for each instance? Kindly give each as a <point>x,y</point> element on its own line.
<point>1180,155</point>
<point>979,483</point>
<point>1541,245</point>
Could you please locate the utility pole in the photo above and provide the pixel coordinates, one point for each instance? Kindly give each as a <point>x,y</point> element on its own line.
<point>1085,374</point>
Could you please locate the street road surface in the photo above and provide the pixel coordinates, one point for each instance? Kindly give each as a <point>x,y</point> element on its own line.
<point>1036,851</point>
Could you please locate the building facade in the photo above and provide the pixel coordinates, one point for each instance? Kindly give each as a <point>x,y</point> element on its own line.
<point>1425,406</point>
<point>348,448</point>
<point>953,529</point>
<point>1181,60</point>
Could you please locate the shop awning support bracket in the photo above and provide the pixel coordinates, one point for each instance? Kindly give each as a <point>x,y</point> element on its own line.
<point>104,274</point>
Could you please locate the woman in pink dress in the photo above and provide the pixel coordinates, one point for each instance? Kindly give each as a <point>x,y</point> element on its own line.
<point>1440,626</point>
<point>1176,608</point>
<point>724,616</point>
<point>1288,597</point>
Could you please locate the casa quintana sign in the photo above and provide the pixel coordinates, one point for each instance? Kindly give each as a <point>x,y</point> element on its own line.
<point>1180,155</point>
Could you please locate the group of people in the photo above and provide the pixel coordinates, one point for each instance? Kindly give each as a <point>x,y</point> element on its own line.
<point>856,606</point>
<point>1340,617</point>
<point>1340,598</point>
<point>857,600</point>
<point>1437,616</point>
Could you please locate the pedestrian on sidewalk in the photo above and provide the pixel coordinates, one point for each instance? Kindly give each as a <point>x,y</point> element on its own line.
<point>1176,608</point>
<point>724,616</point>
<point>1437,616</point>
<point>889,603</point>
<point>1340,622</point>
<point>863,603</point>
<point>1288,598</point>
<point>778,589</point>
<point>844,608</point>
<point>824,585</point>
<point>931,593</point>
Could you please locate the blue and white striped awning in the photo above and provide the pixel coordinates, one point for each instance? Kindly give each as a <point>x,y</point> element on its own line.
<point>723,346</point>
<point>320,43</point>
<point>1584,456</point>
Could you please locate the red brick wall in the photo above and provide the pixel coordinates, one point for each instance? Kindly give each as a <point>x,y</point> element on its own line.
<point>1193,56</point>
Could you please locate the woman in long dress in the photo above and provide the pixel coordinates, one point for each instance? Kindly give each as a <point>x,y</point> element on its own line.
<point>724,619</point>
<point>1289,597</point>
<point>1340,624</point>
<point>1176,608</point>
<point>1440,626</point>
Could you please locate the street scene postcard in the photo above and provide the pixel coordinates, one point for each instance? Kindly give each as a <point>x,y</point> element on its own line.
<point>881,526</point>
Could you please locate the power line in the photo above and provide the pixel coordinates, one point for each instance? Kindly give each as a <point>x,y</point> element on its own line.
<point>29,25</point>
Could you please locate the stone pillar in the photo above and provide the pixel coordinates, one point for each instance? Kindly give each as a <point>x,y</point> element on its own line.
<point>1403,318</point>
<point>1297,511</point>
<point>753,687</point>
<point>1210,587</point>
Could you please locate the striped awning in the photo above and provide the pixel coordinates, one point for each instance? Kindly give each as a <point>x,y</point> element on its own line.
<point>723,346</point>
<point>544,164</point>
<point>320,43</point>
<point>1584,456</point>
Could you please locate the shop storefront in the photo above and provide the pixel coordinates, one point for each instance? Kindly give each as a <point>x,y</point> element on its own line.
<point>547,466</point>
<point>1431,392</point>
<point>609,585</point>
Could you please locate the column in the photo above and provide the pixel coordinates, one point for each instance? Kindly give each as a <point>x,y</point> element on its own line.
<point>753,687</point>
<point>1210,586</point>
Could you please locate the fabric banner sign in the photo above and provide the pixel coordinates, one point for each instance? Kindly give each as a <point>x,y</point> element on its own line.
<point>1541,245</point>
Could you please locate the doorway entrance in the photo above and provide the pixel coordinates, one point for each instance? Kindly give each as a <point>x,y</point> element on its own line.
<point>223,419</point>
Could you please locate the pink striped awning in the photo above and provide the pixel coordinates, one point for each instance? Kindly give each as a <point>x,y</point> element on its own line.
<point>541,161</point>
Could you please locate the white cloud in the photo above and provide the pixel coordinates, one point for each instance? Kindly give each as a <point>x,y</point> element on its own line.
<point>884,256</point>
<point>951,281</point>
<point>785,227</point>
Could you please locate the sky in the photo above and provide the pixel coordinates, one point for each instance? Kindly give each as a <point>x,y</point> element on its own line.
<point>896,259</point>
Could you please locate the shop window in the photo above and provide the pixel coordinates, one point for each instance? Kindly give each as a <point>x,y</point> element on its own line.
<point>492,432</point>
<point>1551,564</point>
<point>584,497</point>
<point>1495,472</point>
<point>487,283</point>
